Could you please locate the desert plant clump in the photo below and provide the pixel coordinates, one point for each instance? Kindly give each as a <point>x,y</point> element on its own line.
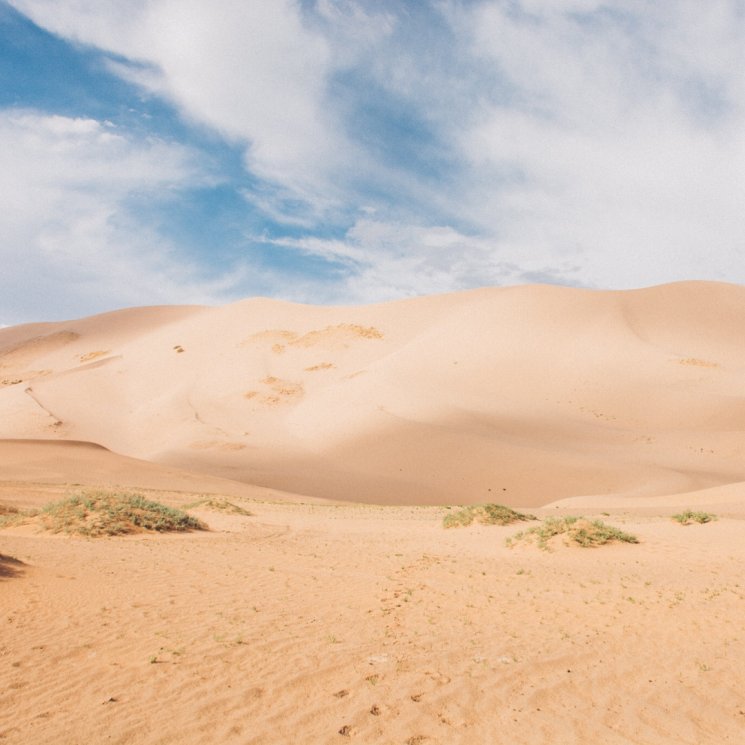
<point>689,516</point>
<point>486,514</point>
<point>576,530</point>
<point>10,515</point>
<point>218,504</point>
<point>104,513</point>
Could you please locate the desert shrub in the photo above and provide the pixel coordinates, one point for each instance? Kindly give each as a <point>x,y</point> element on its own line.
<point>10,515</point>
<point>689,516</point>
<point>576,530</point>
<point>104,513</point>
<point>486,514</point>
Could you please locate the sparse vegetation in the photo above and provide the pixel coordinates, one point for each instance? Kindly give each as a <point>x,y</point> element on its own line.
<point>689,516</point>
<point>576,530</point>
<point>218,504</point>
<point>103,513</point>
<point>486,514</point>
<point>6,509</point>
<point>10,515</point>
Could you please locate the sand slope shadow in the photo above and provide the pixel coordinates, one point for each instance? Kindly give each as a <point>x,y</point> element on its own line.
<point>10,567</point>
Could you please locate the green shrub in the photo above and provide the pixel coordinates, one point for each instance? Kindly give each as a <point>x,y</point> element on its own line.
<point>689,516</point>
<point>576,530</point>
<point>486,514</point>
<point>103,513</point>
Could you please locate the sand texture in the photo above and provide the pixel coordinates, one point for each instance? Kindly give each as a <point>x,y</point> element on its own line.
<point>331,605</point>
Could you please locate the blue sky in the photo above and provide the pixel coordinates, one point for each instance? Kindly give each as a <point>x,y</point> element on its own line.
<point>342,151</point>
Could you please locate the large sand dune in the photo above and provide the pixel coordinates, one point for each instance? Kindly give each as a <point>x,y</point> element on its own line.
<point>522,395</point>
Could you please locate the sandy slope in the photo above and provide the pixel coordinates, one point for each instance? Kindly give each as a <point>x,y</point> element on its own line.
<point>530,394</point>
<point>33,472</point>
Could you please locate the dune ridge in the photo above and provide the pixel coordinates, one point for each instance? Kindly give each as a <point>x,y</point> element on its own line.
<point>530,394</point>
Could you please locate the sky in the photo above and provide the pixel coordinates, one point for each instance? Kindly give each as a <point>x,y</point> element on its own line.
<point>358,151</point>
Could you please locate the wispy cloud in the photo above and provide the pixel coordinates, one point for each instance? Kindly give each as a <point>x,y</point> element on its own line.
<point>65,184</point>
<point>390,149</point>
<point>618,147</point>
<point>384,261</point>
<point>251,71</point>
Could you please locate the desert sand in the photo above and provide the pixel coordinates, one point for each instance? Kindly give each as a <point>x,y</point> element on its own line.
<point>341,609</point>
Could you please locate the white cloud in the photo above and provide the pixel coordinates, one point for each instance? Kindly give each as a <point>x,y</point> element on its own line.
<point>250,70</point>
<point>387,260</point>
<point>598,142</point>
<point>68,242</point>
<point>608,147</point>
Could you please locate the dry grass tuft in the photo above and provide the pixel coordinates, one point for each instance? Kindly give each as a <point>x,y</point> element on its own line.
<point>486,514</point>
<point>576,530</point>
<point>10,515</point>
<point>7,509</point>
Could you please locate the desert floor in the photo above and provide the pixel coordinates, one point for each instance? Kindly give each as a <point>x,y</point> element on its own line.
<point>313,623</point>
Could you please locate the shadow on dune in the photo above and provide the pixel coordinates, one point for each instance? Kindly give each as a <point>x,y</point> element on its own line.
<point>10,567</point>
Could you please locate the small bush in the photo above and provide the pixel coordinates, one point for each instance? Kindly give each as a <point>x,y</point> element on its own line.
<point>103,513</point>
<point>218,505</point>
<point>576,530</point>
<point>486,514</point>
<point>689,516</point>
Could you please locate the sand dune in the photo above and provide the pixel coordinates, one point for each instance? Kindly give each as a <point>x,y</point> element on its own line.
<point>309,621</point>
<point>530,393</point>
